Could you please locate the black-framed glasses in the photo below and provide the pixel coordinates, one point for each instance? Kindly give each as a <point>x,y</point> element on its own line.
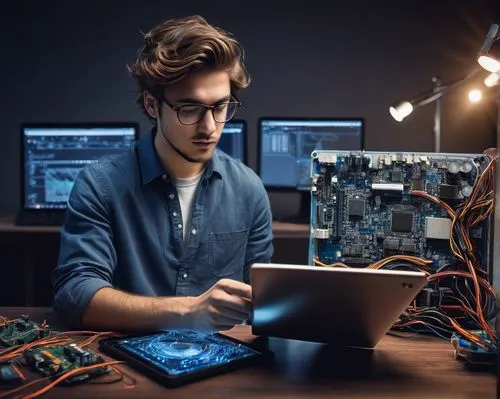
<point>190,114</point>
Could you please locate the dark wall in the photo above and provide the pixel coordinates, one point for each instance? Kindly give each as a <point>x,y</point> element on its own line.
<point>65,61</point>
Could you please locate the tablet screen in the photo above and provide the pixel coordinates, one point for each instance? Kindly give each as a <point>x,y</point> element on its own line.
<point>183,352</point>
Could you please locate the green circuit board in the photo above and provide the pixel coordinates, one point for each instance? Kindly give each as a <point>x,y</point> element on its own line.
<point>55,360</point>
<point>21,331</point>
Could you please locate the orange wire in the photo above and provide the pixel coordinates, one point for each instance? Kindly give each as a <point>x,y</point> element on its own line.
<point>24,386</point>
<point>69,374</point>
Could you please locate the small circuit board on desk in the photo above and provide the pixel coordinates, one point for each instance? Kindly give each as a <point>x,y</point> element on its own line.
<point>55,360</point>
<point>21,331</point>
<point>10,373</point>
<point>473,354</point>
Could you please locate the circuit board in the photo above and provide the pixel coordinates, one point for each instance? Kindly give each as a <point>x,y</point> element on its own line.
<point>55,360</point>
<point>472,353</point>
<point>21,331</point>
<point>365,207</point>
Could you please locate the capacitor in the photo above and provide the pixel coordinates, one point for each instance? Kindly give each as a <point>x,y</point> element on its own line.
<point>466,190</point>
<point>453,167</point>
<point>466,167</point>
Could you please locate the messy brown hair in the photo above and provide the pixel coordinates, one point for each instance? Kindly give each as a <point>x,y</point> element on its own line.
<point>177,47</point>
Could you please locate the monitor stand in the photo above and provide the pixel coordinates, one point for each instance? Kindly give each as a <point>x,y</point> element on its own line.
<point>304,214</point>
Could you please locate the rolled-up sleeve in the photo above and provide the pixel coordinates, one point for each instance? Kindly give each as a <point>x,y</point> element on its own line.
<point>87,256</point>
<point>260,241</point>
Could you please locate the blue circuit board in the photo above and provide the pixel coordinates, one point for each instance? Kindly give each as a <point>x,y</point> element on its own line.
<point>364,207</point>
<point>473,353</point>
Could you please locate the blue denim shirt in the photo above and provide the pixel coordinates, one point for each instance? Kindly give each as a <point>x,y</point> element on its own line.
<point>123,229</point>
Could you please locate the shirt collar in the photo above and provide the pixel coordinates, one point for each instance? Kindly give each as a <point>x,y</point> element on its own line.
<point>152,168</point>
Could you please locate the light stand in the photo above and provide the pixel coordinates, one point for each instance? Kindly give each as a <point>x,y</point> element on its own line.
<point>402,109</point>
<point>437,115</point>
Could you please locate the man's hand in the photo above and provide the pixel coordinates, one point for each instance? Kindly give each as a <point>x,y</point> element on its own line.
<point>225,304</point>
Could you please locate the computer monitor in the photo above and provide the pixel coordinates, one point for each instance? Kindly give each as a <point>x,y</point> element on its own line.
<point>233,140</point>
<point>285,146</point>
<point>54,154</point>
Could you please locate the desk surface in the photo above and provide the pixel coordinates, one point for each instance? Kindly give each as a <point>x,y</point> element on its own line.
<point>7,225</point>
<point>420,368</point>
<point>280,229</point>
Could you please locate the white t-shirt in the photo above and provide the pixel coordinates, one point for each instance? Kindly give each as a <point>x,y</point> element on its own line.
<point>186,189</point>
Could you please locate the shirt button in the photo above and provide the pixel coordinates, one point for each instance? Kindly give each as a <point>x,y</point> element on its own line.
<point>179,226</point>
<point>171,196</point>
<point>185,275</point>
<point>193,231</point>
<point>164,177</point>
<point>174,213</point>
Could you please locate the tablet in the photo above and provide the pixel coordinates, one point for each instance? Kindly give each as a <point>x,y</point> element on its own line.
<point>177,357</point>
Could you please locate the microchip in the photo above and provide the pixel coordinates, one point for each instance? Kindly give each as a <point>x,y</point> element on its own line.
<point>397,176</point>
<point>448,191</point>
<point>356,208</point>
<point>417,185</point>
<point>357,262</point>
<point>402,222</point>
<point>357,249</point>
<point>409,246</point>
<point>329,214</point>
<point>363,239</point>
<point>391,243</point>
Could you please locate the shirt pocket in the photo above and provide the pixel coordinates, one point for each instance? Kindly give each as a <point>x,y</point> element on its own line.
<point>226,252</point>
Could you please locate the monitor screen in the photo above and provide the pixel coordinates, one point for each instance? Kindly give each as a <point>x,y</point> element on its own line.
<point>53,155</point>
<point>233,140</point>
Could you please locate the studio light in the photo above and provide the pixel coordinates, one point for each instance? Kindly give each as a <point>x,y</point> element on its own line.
<point>492,79</point>
<point>487,60</point>
<point>475,95</point>
<point>401,109</point>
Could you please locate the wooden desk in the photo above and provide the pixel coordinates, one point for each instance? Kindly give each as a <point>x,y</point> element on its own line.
<point>7,225</point>
<point>420,368</point>
<point>290,230</point>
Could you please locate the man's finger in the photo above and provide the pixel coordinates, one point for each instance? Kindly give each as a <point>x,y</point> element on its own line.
<point>234,287</point>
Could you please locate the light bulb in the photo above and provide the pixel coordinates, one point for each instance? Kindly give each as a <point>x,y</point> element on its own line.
<point>401,110</point>
<point>475,95</point>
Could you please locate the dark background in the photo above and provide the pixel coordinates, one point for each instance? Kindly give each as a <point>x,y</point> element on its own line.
<point>66,61</point>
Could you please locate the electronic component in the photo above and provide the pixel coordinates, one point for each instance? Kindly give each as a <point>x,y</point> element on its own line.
<point>57,359</point>
<point>401,221</point>
<point>473,354</point>
<point>397,176</point>
<point>381,197</point>
<point>21,331</point>
<point>356,208</point>
<point>448,191</point>
<point>10,374</point>
<point>437,228</point>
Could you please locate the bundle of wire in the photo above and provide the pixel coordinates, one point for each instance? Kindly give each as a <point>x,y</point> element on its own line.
<point>82,339</point>
<point>472,302</point>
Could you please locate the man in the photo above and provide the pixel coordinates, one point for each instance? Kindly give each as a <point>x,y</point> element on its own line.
<point>163,237</point>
